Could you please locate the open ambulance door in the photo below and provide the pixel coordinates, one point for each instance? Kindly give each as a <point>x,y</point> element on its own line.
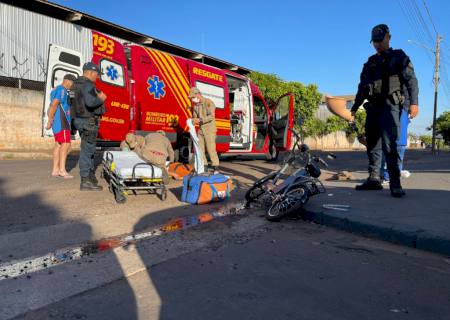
<point>282,121</point>
<point>60,62</point>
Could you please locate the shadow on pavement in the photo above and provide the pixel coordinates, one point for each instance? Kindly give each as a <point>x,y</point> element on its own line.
<point>129,297</point>
<point>26,235</point>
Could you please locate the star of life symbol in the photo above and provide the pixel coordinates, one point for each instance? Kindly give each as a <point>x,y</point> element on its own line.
<point>112,73</point>
<point>156,87</point>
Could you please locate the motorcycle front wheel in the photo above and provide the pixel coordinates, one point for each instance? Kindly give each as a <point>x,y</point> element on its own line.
<point>292,201</point>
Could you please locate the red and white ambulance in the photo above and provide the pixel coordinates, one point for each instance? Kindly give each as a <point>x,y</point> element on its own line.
<point>148,89</point>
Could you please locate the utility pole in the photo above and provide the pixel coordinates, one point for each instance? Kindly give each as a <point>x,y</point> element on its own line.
<point>436,87</point>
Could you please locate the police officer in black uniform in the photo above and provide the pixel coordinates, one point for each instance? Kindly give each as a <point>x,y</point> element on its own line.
<point>382,79</point>
<point>88,108</point>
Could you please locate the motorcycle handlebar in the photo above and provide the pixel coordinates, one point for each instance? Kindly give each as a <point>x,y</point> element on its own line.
<point>297,135</point>
<point>321,161</point>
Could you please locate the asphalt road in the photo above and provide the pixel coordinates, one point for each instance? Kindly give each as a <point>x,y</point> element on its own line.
<point>232,268</point>
<point>289,270</point>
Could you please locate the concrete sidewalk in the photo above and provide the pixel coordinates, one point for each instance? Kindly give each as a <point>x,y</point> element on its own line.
<point>420,220</point>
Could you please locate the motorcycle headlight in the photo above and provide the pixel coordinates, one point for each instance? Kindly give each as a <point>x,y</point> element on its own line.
<point>314,171</point>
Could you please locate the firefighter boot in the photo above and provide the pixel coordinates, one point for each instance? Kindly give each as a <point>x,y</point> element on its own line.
<point>396,189</point>
<point>93,178</point>
<point>372,183</point>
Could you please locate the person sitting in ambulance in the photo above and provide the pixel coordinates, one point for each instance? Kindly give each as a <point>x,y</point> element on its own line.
<point>132,142</point>
<point>156,150</point>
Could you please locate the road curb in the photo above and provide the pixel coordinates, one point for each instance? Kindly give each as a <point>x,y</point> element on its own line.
<point>418,239</point>
<point>32,155</point>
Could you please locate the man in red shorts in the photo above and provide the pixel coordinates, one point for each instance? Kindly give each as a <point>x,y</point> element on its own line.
<point>59,121</point>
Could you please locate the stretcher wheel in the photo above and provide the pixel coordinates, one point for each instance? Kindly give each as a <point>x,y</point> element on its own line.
<point>164,194</point>
<point>119,196</point>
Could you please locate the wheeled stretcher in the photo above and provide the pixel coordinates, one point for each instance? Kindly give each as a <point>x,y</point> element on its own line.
<point>125,171</point>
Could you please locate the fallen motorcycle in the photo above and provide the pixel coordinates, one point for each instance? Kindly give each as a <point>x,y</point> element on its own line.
<point>282,195</point>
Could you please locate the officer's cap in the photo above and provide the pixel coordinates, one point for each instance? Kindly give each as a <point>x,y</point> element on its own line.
<point>193,92</point>
<point>70,77</point>
<point>379,32</point>
<point>91,66</point>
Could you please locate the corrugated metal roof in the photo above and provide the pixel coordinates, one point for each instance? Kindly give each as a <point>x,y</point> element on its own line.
<point>79,18</point>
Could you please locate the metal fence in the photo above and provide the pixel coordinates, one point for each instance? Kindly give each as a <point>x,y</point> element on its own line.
<point>22,84</point>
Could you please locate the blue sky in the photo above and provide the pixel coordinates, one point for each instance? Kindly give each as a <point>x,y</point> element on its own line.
<point>322,42</point>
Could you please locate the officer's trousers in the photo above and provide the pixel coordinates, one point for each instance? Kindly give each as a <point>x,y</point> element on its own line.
<point>88,129</point>
<point>208,139</point>
<point>382,132</point>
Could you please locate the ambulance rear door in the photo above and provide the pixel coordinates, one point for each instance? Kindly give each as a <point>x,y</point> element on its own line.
<point>109,55</point>
<point>61,61</point>
<point>282,120</point>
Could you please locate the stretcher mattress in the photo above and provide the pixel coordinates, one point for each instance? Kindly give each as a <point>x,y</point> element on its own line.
<point>124,161</point>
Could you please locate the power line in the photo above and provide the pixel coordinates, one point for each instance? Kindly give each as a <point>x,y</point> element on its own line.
<point>407,14</point>
<point>429,16</point>
<point>413,21</point>
<point>445,74</point>
<point>422,20</point>
<point>414,24</point>
<point>445,81</point>
<point>420,28</point>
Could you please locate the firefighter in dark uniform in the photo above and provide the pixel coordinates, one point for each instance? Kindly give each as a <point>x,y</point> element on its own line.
<point>88,107</point>
<point>382,79</point>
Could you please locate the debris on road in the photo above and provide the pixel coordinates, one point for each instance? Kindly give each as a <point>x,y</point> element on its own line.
<point>342,176</point>
<point>337,207</point>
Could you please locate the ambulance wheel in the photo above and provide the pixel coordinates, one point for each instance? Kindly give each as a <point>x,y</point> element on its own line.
<point>119,196</point>
<point>272,154</point>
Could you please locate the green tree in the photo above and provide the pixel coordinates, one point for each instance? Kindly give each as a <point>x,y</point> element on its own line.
<point>443,126</point>
<point>307,98</point>
<point>314,128</point>
<point>426,139</point>
<point>335,124</point>
<point>271,86</point>
<point>413,137</point>
<point>360,121</point>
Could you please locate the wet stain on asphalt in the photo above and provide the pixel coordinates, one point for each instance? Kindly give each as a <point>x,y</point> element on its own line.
<point>23,267</point>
